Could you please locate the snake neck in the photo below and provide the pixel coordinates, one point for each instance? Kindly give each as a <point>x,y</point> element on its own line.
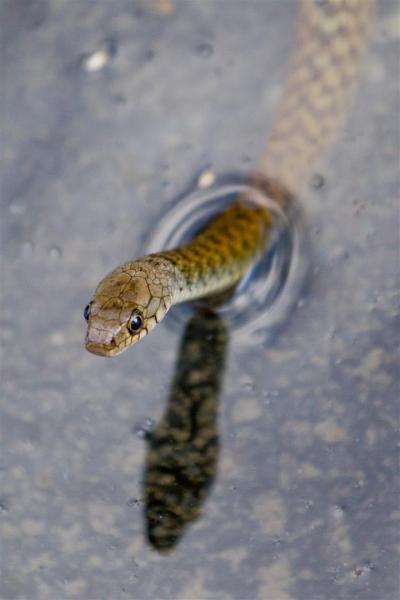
<point>217,258</point>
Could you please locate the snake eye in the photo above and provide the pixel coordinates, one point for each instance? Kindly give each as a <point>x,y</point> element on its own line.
<point>135,322</point>
<point>86,312</point>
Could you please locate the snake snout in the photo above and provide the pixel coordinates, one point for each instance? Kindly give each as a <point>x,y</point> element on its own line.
<point>101,342</point>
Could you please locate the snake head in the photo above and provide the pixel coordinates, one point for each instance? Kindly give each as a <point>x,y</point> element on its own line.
<point>127,304</point>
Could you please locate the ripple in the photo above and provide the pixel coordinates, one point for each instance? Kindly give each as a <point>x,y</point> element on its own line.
<point>272,286</point>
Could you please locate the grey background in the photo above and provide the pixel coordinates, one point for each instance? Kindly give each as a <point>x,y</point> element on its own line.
<point>305,505</point>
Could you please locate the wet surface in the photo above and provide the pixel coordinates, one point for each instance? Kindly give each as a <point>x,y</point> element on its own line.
<point>109,111</point>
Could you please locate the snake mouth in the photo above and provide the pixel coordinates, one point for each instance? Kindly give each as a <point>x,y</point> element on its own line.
<point>108,348</point>
<point>102,349</point>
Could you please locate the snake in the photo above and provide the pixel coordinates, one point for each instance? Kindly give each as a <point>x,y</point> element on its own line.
<point>331,37</point>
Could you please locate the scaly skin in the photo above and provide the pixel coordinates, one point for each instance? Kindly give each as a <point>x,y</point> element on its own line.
<point>214,261</point>
<point>331,37</point>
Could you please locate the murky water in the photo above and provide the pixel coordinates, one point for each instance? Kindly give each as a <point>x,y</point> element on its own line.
<point>111,111</point>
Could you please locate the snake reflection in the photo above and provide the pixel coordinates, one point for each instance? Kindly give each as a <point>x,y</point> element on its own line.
<point>183,449</point>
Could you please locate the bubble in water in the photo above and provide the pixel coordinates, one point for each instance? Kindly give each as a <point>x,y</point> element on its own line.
<point>206,179</point>
<point>145,429</point>
<point>97,60</point>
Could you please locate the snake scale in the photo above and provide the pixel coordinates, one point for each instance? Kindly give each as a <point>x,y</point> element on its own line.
<point>134,297</point>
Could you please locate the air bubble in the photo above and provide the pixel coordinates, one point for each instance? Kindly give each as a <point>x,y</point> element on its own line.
<point>97,60</point>
<point>206,179</point>
<point>145,429</point>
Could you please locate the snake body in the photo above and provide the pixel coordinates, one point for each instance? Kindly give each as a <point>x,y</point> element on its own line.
<point>132,299</point>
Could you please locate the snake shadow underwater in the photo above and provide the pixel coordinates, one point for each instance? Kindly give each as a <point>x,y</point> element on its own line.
<point>183,449</point>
